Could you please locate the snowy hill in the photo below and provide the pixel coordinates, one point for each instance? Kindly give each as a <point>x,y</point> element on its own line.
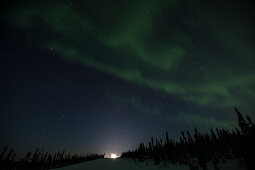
<point>126,164</point>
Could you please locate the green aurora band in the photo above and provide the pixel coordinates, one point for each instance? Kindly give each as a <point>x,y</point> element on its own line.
<point>181,49</point>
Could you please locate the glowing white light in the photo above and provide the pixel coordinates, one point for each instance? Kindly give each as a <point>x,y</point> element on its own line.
<point>113,155</point>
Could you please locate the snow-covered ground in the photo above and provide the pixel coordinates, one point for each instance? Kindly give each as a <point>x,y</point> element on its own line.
<point>126,164</point>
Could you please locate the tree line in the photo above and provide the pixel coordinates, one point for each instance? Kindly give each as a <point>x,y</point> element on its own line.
<point>41,160</point>
<point>198,150</point>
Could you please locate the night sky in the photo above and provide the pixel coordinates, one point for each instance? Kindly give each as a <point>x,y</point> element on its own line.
<point>104,75</point>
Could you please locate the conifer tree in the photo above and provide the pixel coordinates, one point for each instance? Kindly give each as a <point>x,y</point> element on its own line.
<point>241,122</point>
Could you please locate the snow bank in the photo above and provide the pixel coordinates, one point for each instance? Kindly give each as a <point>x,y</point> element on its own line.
<point>118,164</point>
<point>127,164</point>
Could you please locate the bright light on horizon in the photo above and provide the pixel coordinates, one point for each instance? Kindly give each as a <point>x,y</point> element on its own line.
<point>113,156</point>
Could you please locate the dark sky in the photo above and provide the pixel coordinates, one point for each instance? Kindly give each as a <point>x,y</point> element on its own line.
<point>103,75</point>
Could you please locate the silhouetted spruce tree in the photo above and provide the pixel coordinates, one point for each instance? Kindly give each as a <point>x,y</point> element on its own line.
<point>241,122</point>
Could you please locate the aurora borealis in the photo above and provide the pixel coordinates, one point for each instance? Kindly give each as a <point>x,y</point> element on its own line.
<point>104,75</point>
